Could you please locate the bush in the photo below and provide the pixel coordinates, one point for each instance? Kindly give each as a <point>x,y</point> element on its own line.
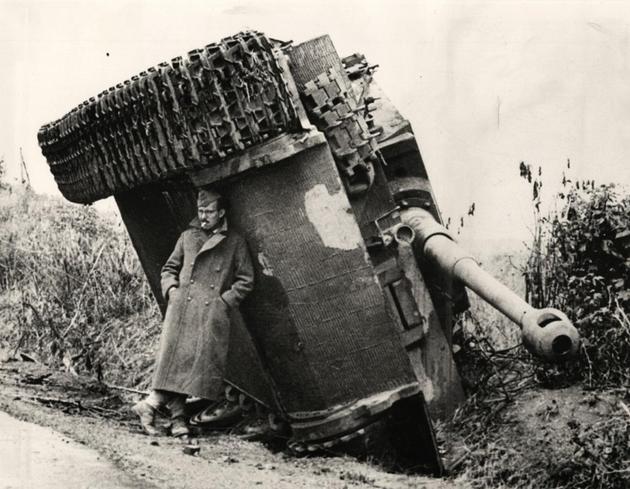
<point>580,263</point>
<point>69,278</point>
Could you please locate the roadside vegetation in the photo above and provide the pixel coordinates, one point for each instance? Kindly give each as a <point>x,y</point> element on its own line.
<point>72,292</point>
<point>529,424</point>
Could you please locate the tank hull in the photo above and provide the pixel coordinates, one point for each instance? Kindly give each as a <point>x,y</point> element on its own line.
<point>345,327</point>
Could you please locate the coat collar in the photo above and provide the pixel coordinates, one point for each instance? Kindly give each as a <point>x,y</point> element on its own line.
<point>217,235</point>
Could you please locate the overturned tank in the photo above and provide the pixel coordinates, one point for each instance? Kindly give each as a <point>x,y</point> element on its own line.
<point>349,325</point>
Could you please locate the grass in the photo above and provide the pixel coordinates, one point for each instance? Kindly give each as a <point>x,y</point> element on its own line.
<point>72,289</point>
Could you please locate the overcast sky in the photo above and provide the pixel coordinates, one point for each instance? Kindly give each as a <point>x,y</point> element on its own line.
<point>484,84</point>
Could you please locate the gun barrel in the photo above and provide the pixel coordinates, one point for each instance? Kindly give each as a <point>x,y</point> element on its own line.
<point>547,332</point>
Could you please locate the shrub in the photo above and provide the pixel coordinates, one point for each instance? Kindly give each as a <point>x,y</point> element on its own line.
<point>68,278</point>
<point>580,263</point>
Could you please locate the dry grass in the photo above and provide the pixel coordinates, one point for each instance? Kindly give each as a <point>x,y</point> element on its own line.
<point>72,290</point>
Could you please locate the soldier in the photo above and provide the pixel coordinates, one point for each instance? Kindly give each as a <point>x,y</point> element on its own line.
<point>204,280</point>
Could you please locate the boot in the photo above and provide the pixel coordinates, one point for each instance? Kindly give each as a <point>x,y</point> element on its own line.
<point>146,413</point>
<point>179,428</point>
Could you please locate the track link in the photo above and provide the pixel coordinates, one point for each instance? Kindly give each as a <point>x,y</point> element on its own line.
<point>192,111</point>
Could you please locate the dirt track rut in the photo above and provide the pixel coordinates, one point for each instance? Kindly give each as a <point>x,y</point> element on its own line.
<point>29,393</point>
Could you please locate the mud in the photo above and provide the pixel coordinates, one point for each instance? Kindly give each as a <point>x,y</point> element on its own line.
<point>97,418</point>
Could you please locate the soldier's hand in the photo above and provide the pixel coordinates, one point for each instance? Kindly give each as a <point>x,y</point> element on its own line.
<point>169,292</point>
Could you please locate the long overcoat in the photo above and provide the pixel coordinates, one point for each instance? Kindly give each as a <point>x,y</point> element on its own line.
<point>211,275</point>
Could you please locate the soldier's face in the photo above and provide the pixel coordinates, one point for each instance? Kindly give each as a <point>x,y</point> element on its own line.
<point>209,215</point>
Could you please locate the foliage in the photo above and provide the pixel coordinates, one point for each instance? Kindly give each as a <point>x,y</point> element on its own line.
<point>579,262</point>
<point>599,455</point>
<point>70,283</point>
<point>3,170</point>
<point>494,379</point>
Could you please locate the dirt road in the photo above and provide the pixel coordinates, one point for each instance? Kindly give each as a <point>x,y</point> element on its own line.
<point>92,416</point>
<point>32,456</point>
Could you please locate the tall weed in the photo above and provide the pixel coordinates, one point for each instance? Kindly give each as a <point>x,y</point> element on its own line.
<point>69,281</point>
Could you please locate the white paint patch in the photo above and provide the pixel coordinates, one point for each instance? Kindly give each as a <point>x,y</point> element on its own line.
<point>332,217</point>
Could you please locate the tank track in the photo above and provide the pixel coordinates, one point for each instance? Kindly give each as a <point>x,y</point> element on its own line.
<point>188,113</point>
<point>335,112</point>
<point>303,448</point>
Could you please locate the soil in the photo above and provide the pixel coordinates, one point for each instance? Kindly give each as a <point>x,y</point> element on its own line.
<point>532,441</point>
<point>98,417</point>
<point>33,456</point>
